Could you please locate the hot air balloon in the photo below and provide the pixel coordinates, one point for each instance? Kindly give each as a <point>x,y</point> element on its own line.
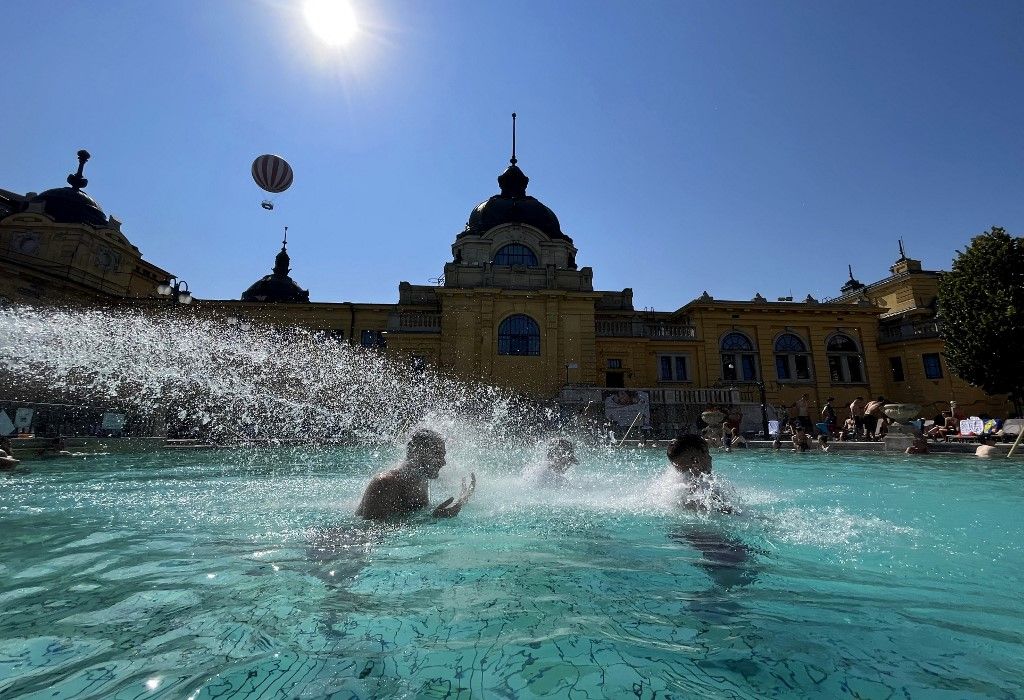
<point>273,174</point>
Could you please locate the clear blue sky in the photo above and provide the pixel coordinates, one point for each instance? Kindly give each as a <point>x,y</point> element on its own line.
<point>737,147</point>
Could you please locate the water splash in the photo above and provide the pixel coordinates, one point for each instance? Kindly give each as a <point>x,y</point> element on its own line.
<point>204,377</point>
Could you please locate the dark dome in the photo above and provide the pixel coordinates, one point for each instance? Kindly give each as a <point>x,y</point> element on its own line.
<point>513,205</point>
<point>68,205</point>
<point>276,288</point>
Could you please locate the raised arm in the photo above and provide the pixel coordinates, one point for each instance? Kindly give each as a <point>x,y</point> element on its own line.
<point>451,507</point>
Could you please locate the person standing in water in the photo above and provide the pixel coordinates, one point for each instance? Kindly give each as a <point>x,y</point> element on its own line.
<point>561,454</point>
<point>405,488</point>
<point>691,458</point>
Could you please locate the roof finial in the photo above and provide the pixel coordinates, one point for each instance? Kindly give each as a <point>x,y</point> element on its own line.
<point>513,160</point>
<point>76,180</point>
<point>284,243</point>
<point>850,268</point>
<point>903,253</point>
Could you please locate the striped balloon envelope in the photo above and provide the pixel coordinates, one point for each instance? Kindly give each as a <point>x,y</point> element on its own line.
<point>272,173</point>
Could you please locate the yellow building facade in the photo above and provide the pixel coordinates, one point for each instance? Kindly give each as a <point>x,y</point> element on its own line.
<point>515,310</point>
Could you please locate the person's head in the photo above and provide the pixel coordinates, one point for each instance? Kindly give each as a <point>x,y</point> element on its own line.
<point>803,396</point>
<point>823,440</point>
<point>425,452</point>
<point>921,442</point>
<point>880,399</point>
<point>859,398</point>
<point>829,399</point>
<point>561,455</point>
<point>776,443</point>
<point>689,454</point>
<point>985,439</point>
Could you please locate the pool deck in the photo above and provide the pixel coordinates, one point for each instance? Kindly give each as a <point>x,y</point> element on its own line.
<point>961,448</point>
<point>81,446</point>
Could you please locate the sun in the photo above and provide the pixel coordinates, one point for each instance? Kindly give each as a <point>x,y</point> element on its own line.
<point>331,20</point>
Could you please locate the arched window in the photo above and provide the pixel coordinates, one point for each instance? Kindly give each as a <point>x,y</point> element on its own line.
<point>845,364</point>
<point>739,360</point>
<point>792,362</point>
<point>518,335</point>
<point>515,254</point>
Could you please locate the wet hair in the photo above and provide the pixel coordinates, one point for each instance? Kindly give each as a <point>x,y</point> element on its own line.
<point>561,448</point>
<point>881,399</point>
<point>424,437</point>
<point>684,442</point>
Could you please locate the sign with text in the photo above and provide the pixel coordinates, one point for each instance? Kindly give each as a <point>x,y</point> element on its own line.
<point>622,406</point>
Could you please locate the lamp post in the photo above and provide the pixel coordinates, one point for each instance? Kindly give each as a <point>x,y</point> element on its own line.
<point>176,289</point>
<point>764,408</point>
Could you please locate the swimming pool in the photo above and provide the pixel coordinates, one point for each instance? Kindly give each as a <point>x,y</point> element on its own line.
<point>234,574</point>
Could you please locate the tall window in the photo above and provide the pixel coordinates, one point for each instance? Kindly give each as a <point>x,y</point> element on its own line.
<point>518,335</point>
<point>845,364</point>
<point>515,254</point>
<point>792,362</point>
<point>932,365</point>
<point>672,368</point>
<point>739,361</point>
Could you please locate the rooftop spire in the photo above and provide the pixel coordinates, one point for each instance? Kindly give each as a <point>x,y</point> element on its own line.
<point>513,159</point>
<point>76,180</point>
<point>282,263</point>
<point>903,253</point>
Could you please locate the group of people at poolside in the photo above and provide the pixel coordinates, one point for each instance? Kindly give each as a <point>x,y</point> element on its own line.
<point>405,488</point>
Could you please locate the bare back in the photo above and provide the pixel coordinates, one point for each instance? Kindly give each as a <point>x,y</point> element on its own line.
<point>391,493</point>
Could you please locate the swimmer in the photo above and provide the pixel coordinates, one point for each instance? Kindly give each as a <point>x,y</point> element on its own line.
<point>986,449</point>
<point>823,442</point>
<point>920,446</point>
<point>405,488</point>
<point>57,449</point>
<point>561,454</point>
<point>7,460</point>
<point>801,442</point>
<point>690,456</point>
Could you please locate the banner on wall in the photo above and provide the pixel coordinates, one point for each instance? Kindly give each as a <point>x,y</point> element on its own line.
<point>23,418</point>
<point>622,406</point>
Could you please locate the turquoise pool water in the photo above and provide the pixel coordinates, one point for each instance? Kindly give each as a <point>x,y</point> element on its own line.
<point>243,575</point>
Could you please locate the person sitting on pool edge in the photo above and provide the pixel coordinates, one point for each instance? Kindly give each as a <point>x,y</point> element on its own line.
<point>691,458</point>
<point>561,454</point>
<point>405,488</point>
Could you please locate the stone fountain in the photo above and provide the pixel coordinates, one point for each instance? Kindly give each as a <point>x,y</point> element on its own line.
<point>901,435</point>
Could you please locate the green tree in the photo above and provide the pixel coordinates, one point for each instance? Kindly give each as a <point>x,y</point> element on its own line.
<point>981,304</point>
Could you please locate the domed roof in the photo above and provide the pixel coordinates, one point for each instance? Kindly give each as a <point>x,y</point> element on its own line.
<point>69,205</point>
<point>513,205</point>
<point>277,286</point>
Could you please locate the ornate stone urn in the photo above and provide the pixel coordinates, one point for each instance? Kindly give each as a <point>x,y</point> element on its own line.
<point>901,413</point>
<point>900,435</point>
<point>714,417</point>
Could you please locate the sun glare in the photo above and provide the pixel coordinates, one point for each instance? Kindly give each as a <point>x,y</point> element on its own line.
<point>331,20</point>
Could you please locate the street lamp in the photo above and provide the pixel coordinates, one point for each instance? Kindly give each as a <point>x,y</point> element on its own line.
<point>175,288</point>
